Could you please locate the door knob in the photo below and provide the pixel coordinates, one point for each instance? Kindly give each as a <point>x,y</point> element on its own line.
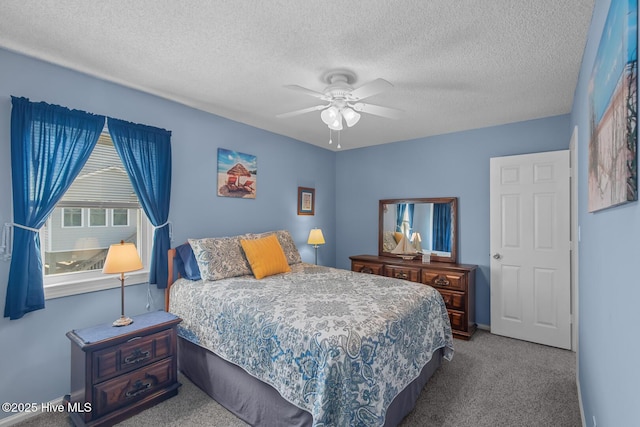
<point>497,256</point>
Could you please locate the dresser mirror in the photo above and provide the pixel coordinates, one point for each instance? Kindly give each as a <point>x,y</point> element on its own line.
<point>409,228</point>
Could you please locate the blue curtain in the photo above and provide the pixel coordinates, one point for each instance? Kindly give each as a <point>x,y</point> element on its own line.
<point>400,209</point>
<point>442,227</point>
<point>410,214</point>
<point>146,154</point>
<point>49,146</point>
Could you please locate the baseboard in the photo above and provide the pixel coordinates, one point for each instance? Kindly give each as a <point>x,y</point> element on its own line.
<point>584,420</point>
<point>23,416</point>
<point>484,327</point>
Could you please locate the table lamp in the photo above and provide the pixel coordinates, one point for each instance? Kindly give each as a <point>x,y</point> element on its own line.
<point>122,258</point>
<point>416,239</point>
<point>316,239</point>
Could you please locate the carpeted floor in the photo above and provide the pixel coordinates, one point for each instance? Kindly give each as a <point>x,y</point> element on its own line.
<point>492,381</point>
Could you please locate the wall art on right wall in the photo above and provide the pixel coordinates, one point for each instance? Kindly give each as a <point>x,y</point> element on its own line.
<point>613,98</point>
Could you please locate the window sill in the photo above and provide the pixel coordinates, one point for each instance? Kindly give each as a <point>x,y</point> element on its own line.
<point>81,286</point>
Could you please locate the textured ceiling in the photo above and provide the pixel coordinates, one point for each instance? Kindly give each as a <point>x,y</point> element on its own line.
<point>454,65</point>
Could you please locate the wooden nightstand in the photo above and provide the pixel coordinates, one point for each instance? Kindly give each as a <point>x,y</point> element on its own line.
<point>117,372</point>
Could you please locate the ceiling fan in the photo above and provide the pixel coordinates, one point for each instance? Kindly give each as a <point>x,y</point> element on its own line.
<point>343,101</point>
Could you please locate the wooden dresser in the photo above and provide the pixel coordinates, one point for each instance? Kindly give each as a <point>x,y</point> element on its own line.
<point>455,282</point>
<point>117,372</point>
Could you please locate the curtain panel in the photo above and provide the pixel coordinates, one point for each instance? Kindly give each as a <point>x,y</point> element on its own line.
<point>400,209</point>
<point>49,146</point>
<point>442,227</point>
<point>146,154</point>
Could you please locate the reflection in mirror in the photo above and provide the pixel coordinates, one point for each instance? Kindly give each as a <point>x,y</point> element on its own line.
<point>412,227</point>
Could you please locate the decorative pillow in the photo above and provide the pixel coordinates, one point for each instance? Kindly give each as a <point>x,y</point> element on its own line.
<point>220,257</point>
<point>186,261</point>
<point>389,242</point>
<point>286,242</point>
<point>265,256</point>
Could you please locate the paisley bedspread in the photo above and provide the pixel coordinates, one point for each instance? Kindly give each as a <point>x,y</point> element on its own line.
<point>336,343</point>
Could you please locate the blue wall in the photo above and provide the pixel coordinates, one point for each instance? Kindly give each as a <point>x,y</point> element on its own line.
<point>348,186</point>
<point>452,165</point>
<point>34,350</point>
<point>609,291</point>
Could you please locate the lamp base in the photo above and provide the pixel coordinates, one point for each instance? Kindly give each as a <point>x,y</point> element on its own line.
<point>123,321</point>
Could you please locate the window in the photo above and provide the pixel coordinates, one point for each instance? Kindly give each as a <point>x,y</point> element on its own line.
<point>72,217</point>
<point>97,217</point>
<point>74,250</point>
<point>120,217</point>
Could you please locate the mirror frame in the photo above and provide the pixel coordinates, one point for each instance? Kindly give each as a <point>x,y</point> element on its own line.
<point>453,258</point>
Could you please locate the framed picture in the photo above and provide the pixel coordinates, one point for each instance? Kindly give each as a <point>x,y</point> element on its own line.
<point>237,174</point>
<point>306,201</point>
<point>613,101</point>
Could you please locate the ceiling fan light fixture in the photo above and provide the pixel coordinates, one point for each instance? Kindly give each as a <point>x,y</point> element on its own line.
<point>330,115</point>
<point>350,116</point>
<point>336,124</point>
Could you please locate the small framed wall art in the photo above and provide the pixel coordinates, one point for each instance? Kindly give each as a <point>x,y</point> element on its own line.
<point>306,201</point>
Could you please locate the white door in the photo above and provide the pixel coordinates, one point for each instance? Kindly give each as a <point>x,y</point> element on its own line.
<point>530,248</point>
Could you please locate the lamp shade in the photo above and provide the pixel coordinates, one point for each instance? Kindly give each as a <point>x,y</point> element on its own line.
<point>330,115</point>
<point>336,124</point>
<point>350,116</point>
<point>122,258</point>
<point>315,237</point>
<point>332,118</point>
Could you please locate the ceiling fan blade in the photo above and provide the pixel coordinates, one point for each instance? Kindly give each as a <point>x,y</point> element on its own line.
<point>303,111</point>
<point>305,90</point>
<point>377,110</point>
<point>371,88</point>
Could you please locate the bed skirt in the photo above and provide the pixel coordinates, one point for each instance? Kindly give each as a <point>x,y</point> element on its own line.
<point>259,404</point>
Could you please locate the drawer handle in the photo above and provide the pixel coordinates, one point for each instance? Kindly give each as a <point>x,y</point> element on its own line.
<point>447,299</point>
<point>401,275</point>
<point>366,270</point>
<point>138,388</point>
<point>137,356</point>
<point>441,281</point>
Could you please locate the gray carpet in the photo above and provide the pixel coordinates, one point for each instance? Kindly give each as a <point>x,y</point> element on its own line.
<point>492,381</point>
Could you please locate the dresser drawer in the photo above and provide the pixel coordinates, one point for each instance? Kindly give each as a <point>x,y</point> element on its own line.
<point>126,389</point>
<point>457,319</point>
<point>444,279</point>
<point>137,352</point>
<point>401,272</point>
<point>367,267</point>
<point>453,300</point>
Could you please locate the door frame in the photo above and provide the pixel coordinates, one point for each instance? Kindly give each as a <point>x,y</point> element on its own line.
<point>575,236</point>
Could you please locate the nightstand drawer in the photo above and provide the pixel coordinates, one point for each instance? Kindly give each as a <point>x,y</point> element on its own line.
<point>136,352</point>
<point>444,279</point>
<point>125,389</point>
<point>453,300</point>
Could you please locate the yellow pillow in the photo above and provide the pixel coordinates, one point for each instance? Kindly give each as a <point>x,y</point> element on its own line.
<point>398,236</point>
<point>265,256</point>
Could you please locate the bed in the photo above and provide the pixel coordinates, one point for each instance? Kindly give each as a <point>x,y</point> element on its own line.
<point>309,346</point>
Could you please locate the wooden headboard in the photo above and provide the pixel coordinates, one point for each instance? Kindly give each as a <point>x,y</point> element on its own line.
<point>171,254</point>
